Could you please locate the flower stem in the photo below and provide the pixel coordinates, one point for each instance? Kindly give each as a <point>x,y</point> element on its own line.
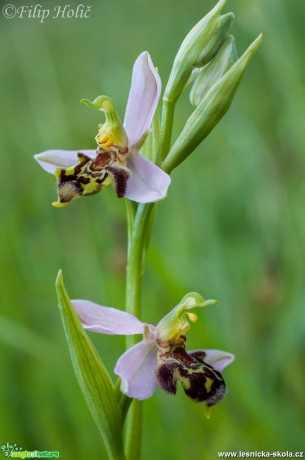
<point>136,247</point>
<point>139,229</point>
<point>166,128</point>
<point>134,431</point>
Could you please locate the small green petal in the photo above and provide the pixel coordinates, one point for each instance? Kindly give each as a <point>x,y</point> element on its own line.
<point>176,322</point>
<point>112,132</point>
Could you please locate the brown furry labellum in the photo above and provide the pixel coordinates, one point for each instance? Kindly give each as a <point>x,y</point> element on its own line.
<point>200,381</point>
<point>90,175</point>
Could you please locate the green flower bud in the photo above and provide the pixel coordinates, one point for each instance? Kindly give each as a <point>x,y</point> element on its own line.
<point>198,47</point>
<point>223,25</point>
<point>210,110</point>
<point>211,73</point>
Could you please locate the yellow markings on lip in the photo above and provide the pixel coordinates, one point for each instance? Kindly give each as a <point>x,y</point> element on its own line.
<point>183,379</point>
<point>208,384</point>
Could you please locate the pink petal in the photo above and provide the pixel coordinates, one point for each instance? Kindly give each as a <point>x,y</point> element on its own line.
<point>143,98</point>
<point>53,159</point>
<point>218,359</point>
<point>148,182</point>
<point>136,367</point>
<point>106,320</point>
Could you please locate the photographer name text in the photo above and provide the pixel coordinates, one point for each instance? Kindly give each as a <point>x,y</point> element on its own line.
<point>38,12</point>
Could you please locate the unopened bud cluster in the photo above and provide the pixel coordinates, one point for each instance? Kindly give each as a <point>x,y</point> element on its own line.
<point>207,59</point>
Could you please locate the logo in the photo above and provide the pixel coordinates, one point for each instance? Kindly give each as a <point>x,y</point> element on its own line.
<point>15,451</point>
<point>7,448</point>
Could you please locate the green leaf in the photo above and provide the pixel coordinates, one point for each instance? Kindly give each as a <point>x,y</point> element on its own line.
<point>92,376</point>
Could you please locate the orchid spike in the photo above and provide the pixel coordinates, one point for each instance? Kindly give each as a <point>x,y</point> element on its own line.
<point>116,159</point>
<point>161,358</point>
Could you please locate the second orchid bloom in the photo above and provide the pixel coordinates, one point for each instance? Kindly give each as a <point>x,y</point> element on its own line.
<point>161,357</point>
<point>117,159</point>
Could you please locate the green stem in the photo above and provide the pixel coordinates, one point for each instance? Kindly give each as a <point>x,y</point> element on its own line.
<point>168,110</point>
<point>124,405</point>
<point>139,229</point>
<point>131,209</point>
<point>136,248</point>
<point>134,431</point>
<point>136,245</point>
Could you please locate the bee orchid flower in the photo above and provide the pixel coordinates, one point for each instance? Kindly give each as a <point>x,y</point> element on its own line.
<point>161,357</point>
<point>116,159</point>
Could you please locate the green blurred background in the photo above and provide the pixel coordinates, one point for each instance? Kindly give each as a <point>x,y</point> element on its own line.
<point>232,228</point>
